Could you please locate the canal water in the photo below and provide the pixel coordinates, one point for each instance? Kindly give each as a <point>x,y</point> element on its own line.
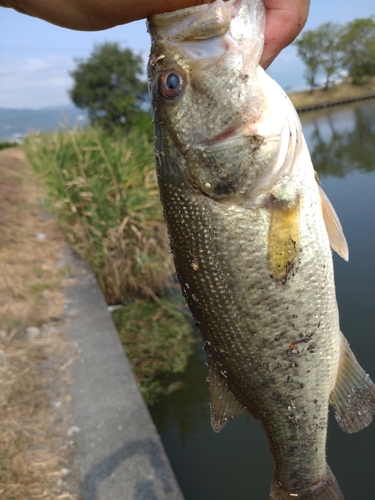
<point>236,464</point>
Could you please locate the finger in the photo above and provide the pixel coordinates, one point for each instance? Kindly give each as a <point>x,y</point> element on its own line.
<point>91,15</point>
<point>285,19</point>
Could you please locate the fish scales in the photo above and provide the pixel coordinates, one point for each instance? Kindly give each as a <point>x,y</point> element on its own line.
<point>222,265</point>
<point>250,231</point>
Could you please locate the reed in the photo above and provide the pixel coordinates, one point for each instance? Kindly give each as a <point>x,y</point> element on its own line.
<point>102,187</point>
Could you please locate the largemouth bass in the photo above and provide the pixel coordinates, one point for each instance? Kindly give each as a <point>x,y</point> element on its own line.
<point>251,232</point>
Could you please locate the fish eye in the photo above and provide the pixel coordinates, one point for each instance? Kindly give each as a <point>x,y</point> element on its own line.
<point>171,84</point>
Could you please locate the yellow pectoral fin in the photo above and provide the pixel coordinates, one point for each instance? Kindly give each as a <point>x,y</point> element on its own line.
<point>284,241</point>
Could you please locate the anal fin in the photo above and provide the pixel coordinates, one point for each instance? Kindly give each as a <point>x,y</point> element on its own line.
<point>223,404</point>
<point>353,399</point>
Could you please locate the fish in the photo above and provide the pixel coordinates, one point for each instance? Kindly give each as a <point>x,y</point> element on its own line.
<point>252,234</point>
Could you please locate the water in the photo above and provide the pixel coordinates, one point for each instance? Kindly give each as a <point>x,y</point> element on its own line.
<point>236,464</point>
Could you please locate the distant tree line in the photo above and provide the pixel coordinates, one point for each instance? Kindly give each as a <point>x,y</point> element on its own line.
<point>109,84</point>
<point>335,49</point>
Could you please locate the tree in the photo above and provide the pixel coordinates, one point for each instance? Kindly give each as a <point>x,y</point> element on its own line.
<point>320,50</point>
<point>330,59</point>
<point>358,46</point>
<point>310,49</point>
<point>108,84</point>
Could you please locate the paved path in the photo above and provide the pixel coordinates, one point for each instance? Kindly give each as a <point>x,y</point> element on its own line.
<point>121,454</point>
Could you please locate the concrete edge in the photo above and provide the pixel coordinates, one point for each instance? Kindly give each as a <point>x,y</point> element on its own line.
<point>121,454</point>
<point>334,103</point>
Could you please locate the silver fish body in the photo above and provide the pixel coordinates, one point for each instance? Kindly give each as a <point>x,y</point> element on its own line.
<point>251,231</point>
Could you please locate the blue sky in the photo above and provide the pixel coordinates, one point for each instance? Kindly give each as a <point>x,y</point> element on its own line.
<point>35,57</point>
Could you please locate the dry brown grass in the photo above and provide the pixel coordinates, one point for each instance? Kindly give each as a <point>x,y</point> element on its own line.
<point>341,91</point>
<point>36,457</point>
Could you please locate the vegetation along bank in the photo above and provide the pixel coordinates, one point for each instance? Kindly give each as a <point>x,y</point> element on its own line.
<point>101,187</point>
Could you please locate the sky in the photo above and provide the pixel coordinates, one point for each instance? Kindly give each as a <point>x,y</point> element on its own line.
<point>36,57</point>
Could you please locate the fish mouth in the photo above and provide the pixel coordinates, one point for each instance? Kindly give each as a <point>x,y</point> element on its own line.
<point>197,23</point>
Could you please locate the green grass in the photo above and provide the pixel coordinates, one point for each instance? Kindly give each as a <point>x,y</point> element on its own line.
<point>158,341</point>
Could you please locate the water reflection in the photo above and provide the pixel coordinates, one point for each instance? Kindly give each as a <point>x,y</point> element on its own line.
<point>342,141</point>
<point>187,407</point>
<point>236,464</point>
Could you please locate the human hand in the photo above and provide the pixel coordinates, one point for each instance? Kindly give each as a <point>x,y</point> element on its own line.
<point>95,15</point>
<point>285,18</point>
<point>284,21</point>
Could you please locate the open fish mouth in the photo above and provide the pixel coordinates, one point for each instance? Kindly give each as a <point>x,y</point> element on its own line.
<point>215,40</point>
<point>199,23</point>
<point>198,28</point>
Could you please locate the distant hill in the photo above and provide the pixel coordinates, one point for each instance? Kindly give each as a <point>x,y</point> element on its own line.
<point>15,123</point>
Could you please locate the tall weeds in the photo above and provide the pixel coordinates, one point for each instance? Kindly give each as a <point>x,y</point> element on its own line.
<point>103,189</point>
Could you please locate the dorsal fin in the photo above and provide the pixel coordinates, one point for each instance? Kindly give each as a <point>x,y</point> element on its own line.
<point>223,404</point>
<point>336,236</point>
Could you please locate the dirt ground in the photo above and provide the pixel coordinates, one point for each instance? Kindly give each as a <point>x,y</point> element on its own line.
<point>38,455</point>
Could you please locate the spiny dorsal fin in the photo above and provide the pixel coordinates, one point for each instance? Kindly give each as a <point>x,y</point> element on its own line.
<point>284,241</point>
<point>336,236</point>
<point>223,404</point>
<point>353,399</point>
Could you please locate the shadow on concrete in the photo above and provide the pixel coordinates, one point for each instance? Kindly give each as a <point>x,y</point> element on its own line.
<point>145,486</point>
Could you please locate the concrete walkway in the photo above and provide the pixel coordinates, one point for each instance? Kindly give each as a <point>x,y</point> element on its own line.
<point>121,454</point>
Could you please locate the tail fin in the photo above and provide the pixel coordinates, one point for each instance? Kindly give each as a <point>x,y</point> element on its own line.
<point>325,490</point>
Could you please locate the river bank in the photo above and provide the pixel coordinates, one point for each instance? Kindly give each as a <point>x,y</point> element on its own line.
<point>73,424</point>
<point>38,454</point>
<point>341,93</point>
